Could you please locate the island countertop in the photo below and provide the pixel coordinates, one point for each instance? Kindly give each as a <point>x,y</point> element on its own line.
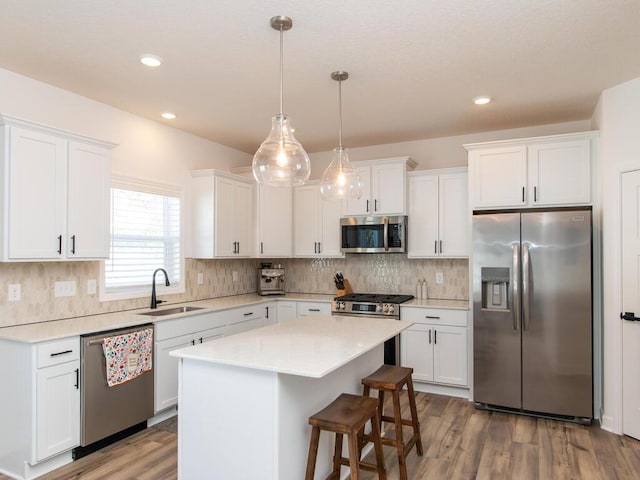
<point>312,346</point>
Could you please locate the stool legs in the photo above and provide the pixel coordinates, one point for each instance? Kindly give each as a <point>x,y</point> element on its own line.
<point>414,416</point>
<point>313,453</point>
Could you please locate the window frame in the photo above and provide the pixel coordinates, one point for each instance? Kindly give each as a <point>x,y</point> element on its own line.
<point>145,186</point>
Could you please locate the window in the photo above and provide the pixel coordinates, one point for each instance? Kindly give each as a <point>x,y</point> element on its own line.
<point>145,235</point>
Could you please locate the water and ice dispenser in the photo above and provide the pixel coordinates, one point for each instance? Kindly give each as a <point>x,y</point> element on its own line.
<point>495,287</point>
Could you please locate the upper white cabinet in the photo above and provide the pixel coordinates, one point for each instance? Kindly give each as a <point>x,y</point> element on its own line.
<point>275,221</point>
<point>55,204</point>
<point>533,172</point>
<point>383,187</point>
<point>316,223</point>
<point>223,215</point>
<point>438,213</point>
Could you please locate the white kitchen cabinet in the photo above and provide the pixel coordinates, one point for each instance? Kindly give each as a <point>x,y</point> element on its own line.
<point>174,334</point>
<point>304,309</point>
<point>246,318</point>
<point>438,214</point>
<point>41,409</point>
<point>533,172</point>
<point>316,223</point>
<point>275,221</point>
<point>286,311</point>
<point>56,201</point>
<point>222,215</point>
<point>270,313</point>
<point>436,345</point>
<point>383,187</point>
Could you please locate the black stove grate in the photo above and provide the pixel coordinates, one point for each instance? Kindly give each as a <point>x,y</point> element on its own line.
<point>374,298</point>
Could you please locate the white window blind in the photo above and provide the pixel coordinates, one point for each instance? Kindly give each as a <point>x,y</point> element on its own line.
<point>145,235</point>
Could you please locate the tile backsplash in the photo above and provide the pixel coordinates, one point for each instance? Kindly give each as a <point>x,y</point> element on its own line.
<point>367,273</point>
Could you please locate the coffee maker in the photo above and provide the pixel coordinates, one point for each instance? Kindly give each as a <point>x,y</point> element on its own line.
<point>270,280</point>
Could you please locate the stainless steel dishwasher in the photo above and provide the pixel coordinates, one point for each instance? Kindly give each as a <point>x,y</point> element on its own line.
<point>106,411</point>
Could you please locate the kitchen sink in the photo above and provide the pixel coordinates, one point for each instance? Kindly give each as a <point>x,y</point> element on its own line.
<point>171,311</point>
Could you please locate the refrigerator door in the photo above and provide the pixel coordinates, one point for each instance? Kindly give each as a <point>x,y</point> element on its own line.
<point>496,309</point>
<point>556,319</point>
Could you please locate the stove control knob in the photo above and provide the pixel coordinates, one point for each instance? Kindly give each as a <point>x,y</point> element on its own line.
<point>343,306</point>
<point>385,307</point>
<point>391,309</point>
<point>379,307</point>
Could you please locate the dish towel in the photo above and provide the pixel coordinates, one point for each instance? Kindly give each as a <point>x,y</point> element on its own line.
<point>128,355</point>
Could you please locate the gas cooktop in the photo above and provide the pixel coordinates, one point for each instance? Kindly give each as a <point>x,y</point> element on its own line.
<point>374,298</point>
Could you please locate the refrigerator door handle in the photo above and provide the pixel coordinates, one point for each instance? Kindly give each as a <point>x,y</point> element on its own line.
<point>526,290</point>
<point>516,286</point>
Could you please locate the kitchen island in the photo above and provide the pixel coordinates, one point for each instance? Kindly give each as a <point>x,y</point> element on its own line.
<point>244,400</point>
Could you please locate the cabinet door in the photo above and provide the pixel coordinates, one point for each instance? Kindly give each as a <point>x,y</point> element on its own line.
<point>560,173</point>
<point>224,218</point>
<point>304,309</point>
<point>499,177</point>
<point>37,195</point>
<point>166,371</point>
<point>305,223</point>
<point>363,205</point>
<point>88,202</point>
<point>388,189</point>
<point>210,334</point>
<point>330,238</point>
<point>243,219</point>
<point>57,409</point>
<point>453,215</point>
<point>423,216</point>
<point>450,355</point>
<point>286,311</point>
<point>416,351</point>
<point>275,221</point>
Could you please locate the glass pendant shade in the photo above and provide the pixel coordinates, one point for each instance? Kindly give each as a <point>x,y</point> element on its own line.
<point>281,161</point>
<point>340,180</point>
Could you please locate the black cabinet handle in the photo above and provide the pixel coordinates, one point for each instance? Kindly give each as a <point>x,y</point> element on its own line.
<point>535,194</point>
<point>367,206</point>
<point>247,314</point>
<point>59,244</point>
<point>431,317</point>
<point>435,336</point>
<point>238,248</point>
<point>193,342</point>
<point>267,313</point>
<point>61,353</point>
<point>522,194</point>
<point>429,336</point>
<point>77,385</point>
<point>441,246</point>
<point>319,247</point>
<point>629,316</point>
<point>73,244</point>
<point>435,247</point>
<point>200,339</point>
<point>314,309</point>
<point>261,247</point>
<point>375,205</point>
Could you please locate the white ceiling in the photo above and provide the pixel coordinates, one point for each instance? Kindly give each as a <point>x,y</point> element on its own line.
<point>414,65</point>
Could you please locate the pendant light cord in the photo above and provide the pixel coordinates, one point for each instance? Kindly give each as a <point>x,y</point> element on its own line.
<point>281,69</point>
<point>340,117</point>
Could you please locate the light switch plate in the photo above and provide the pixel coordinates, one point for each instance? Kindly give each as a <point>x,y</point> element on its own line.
<point>91,286</point>
<point>65,289</point>
<point>200,278</point>
<point>439,278</point>
<point>13,294</point>
<point>234,276</point>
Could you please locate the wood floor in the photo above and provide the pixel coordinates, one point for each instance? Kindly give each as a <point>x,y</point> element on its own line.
<point>459,443</point>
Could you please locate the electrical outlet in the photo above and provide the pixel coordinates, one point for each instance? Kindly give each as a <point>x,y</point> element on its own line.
<point>234,276</point>
<point>65,289</point>
<point>439,278</point>
<point>13,294</point>
<point>91,287</point>
<point>200,278</point>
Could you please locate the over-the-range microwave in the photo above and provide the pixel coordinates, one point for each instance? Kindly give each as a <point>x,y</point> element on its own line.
<point>374,234</point>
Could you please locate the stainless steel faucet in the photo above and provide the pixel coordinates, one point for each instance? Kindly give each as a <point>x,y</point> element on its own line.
<point>154,302</point>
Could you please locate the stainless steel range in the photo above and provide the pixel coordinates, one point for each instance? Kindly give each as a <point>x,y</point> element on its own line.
<point>374,305</point>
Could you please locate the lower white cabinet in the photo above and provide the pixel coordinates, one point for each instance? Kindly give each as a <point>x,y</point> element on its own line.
<point>40,414</point>
<point>286,311</point>
<point>174,334</point>
<point>304,309</point>
<point>436,345</point>
<point>246,318</point>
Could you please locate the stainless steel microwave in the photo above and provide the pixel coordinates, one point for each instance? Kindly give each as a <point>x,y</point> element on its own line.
<point>374,234</point>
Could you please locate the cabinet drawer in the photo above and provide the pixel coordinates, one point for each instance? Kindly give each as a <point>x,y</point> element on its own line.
<point>243,314</point>
<point>313,308</point>
<point>434,316</point>
<point>187,325</point>
<point>57,351</point>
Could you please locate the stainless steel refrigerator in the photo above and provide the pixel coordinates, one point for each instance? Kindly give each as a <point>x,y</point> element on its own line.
<point>532,312</point>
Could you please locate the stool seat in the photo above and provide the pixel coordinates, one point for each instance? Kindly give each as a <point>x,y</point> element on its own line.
<point>347,415</point>
<point>393,379</point>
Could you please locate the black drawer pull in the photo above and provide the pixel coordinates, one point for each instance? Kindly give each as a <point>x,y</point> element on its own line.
<point>431,317</point>
<point>314,309</point>
<point>247,314</point>
<point>61,353</point>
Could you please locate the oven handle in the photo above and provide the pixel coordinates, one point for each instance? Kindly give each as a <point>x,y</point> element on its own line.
<point>385,221</point>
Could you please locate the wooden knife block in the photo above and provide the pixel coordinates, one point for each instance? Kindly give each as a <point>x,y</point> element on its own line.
<point>347,289</point>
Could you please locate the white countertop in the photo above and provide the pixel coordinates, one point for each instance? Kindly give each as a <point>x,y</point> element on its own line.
<point>307,346</point>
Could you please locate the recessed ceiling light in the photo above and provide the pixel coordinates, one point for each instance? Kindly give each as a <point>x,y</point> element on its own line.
<point>481,100</point>
<point>150,60</point>
<point>169,115</point>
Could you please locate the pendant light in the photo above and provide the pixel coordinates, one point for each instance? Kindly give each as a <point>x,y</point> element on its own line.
<point>340,180</point>
<point>281,161</point>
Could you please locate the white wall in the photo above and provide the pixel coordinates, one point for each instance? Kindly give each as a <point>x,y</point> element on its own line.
<point>146,149</point>
<point>445,151</point>
<point>618,117</point>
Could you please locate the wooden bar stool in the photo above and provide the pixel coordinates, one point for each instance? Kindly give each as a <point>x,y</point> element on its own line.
<point>392,379</point>
<point>347,415</point>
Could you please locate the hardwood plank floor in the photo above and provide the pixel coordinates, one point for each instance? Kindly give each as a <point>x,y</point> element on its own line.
<point>460,443</point>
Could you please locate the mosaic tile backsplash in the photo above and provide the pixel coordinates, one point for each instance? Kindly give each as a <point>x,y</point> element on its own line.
<point>367,273</point>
